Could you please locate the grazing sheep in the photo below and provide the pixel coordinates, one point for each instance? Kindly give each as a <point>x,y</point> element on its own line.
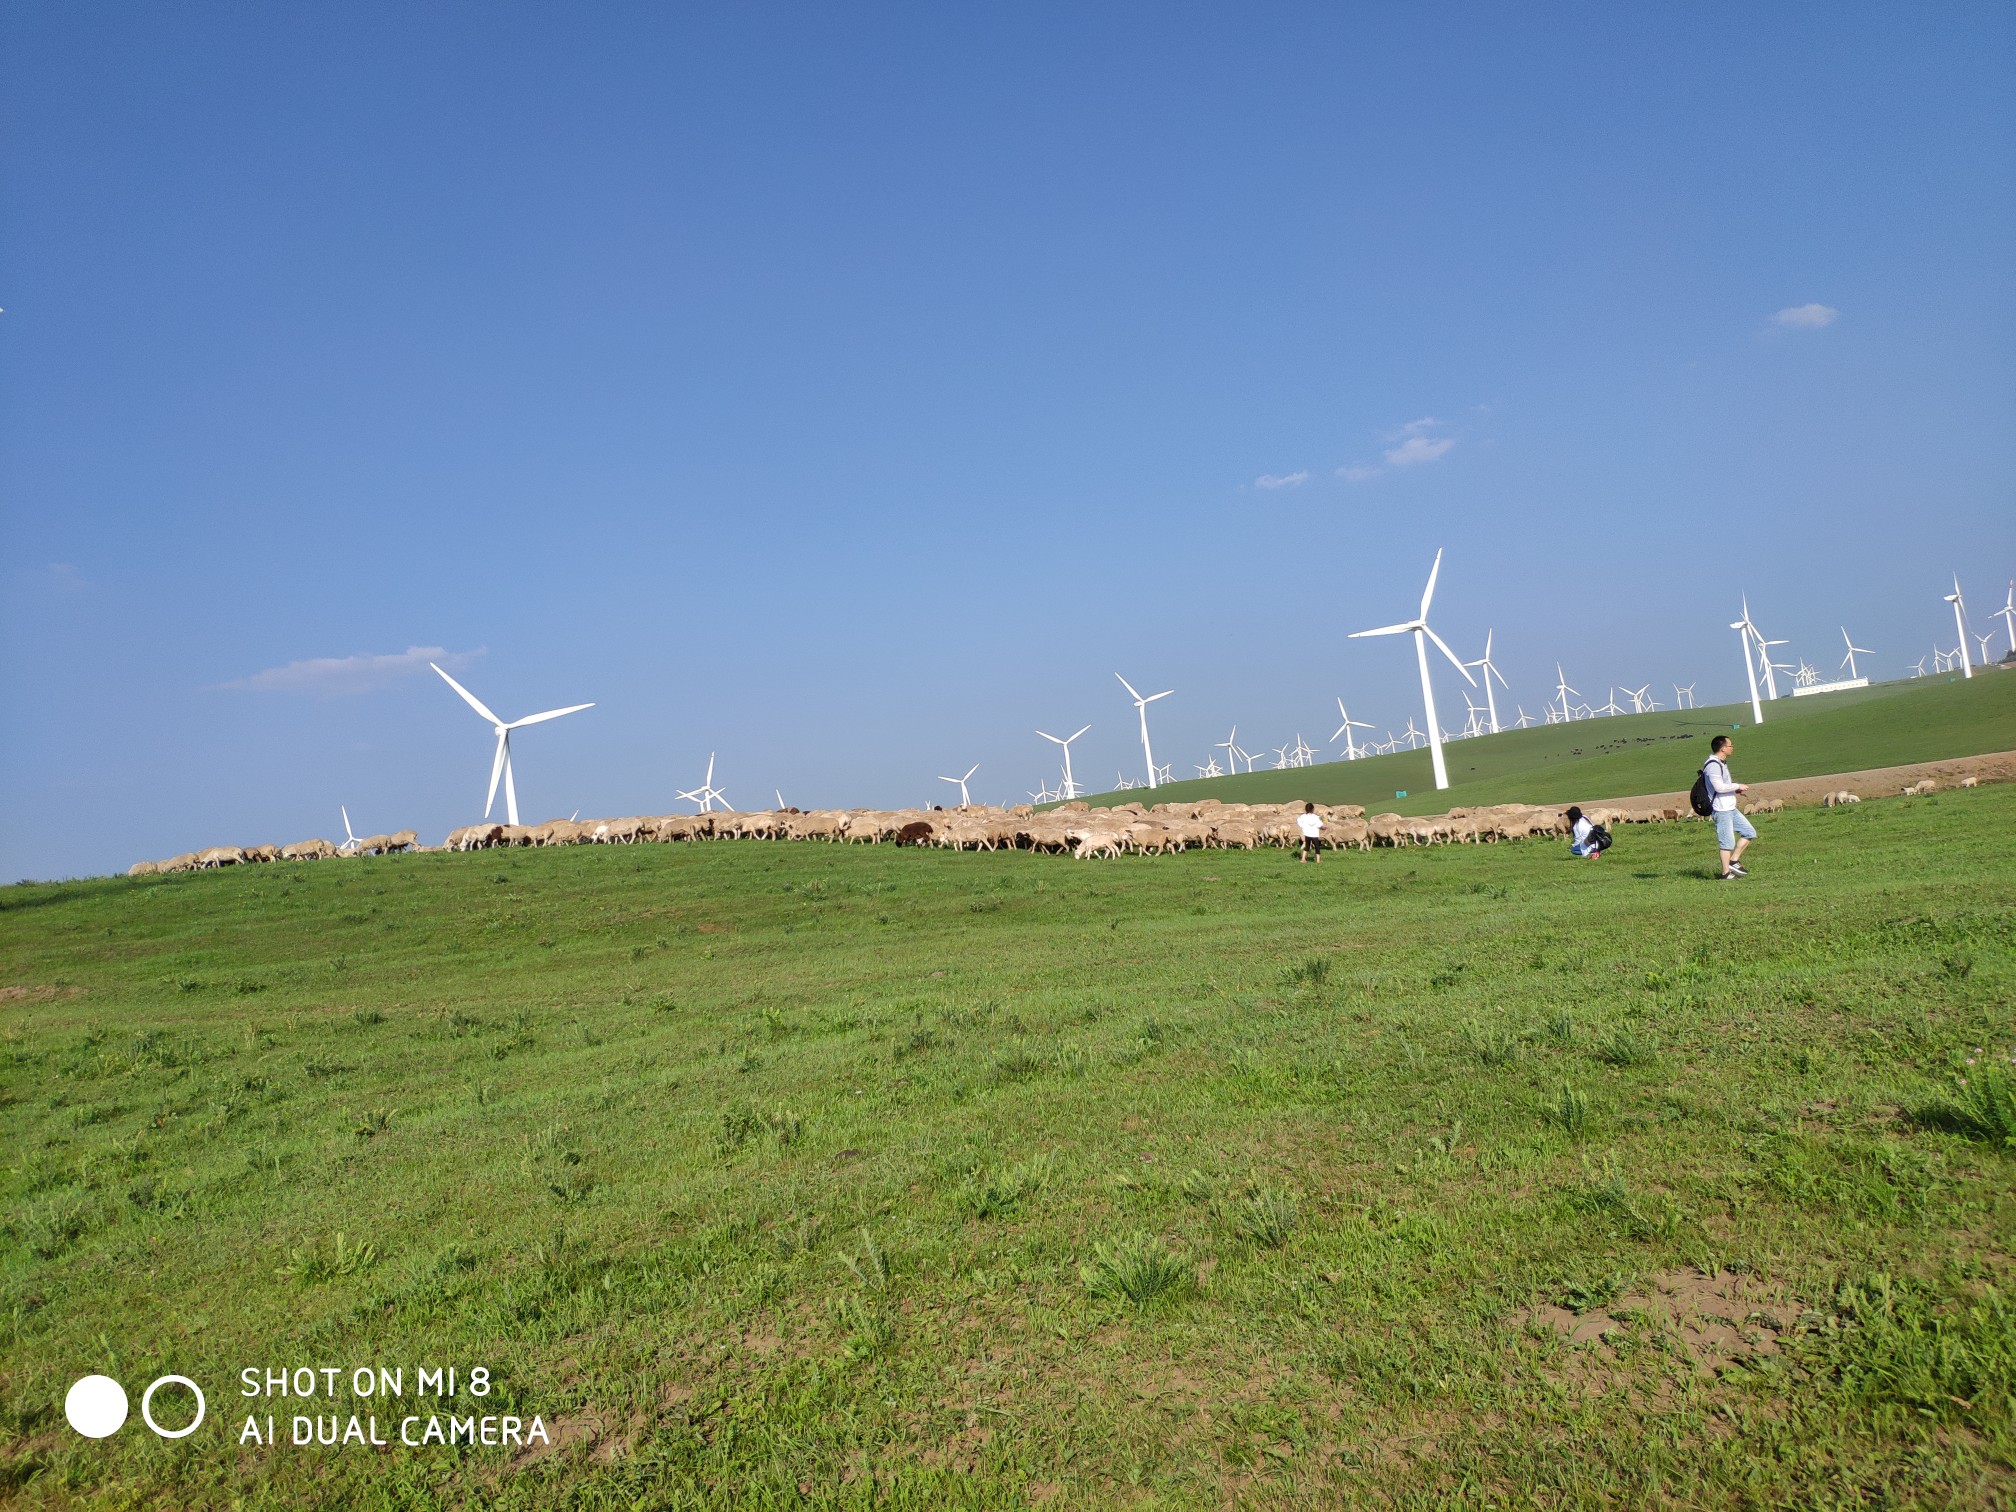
<point>1101,843</point>
<point>1970,782</point>
<point>916,832</point>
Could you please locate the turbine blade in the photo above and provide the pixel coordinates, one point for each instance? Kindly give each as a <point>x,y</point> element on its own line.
<point>1429,592</point>
<point>531,719</point>
<point>1050,737</point>
<point>1163,694</point>
<point>467,697</point>
<point>1080,732</point>
<point>496,771</point>
<point>1385,630</point>
<point>1454,660</point>
<point>1129,687</point>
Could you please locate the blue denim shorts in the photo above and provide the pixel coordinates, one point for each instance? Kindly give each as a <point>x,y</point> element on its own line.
<point>1729,823</point>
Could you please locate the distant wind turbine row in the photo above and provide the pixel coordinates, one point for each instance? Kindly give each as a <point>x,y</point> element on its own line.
<point>1760,676</point>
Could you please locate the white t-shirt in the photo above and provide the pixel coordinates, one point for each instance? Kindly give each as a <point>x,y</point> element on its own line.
<point>1720,784</point>
<point>1582,828</point>
<point>1311,825</point>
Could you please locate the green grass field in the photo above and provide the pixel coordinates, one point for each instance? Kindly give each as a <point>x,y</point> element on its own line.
<point>800,1175</point>
<point>1890,724</point>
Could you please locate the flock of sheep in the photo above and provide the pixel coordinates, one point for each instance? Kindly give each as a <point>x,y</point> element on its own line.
<point>1129,829</point>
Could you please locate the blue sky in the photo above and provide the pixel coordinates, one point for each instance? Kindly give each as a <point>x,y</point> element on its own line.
<point>851,390</point>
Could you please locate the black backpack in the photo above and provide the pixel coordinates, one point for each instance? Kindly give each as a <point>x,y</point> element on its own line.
<point>1701,798</point>
<point>1599,838</point>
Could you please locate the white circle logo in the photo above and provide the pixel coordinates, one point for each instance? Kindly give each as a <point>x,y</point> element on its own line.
<point>147,1402</point>
<point>96,1406</point>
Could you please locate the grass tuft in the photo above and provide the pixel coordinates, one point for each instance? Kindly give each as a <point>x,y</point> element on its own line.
<point>1137,1269</point>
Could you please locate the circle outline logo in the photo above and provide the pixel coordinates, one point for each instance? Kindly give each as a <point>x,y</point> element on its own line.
<point>147,1404</point>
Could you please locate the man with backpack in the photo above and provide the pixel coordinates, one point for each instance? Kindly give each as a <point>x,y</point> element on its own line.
<point>1714,796</point>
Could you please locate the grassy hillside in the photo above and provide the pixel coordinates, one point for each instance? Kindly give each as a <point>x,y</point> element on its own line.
<point>787,1175</point>
<point>1920,719</point>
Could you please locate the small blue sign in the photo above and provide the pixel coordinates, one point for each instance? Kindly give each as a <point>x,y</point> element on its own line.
<point>1401,794</point>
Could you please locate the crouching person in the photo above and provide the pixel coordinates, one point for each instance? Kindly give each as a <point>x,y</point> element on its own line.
<point>1587,838</point>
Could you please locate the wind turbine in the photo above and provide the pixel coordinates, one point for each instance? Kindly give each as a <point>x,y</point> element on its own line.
<point>1303,755</point>
<point>1982,641</point>
<point>1418,628</point>
<point>1210,769</point>
<point>1524,718</point>
<point>502,765</point>
<point>1232,751</point>
<point>1484,664</point>
<point>1918,667</point>
<point>1471,727</point>
<point>1141,704</point>
<point>1345,729</point>
<point>963,801</point>
<point>1683,698</point>
<point>1848,661</point>
<point>1750,633</point>
<point>2007,614</point>
<point>350,840</point>
<point>1412,736</point>
<point>1070,789</point>
<point>1639,697</point>
<point>1561,691</point>
<point>1960,619</point>
<point>1613,707</point>
<point>707,795</point>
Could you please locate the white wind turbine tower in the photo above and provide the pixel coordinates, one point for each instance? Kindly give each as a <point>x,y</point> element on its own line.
<point>1345,729</point>
<point>1490,670</point>
<point>1960,619</point>
<point>1524,718</point>
<point>1918,667</point>
<point>1854,650</point>
<point>350,840</point>
<point>1983,642</point>
<point>1070,788</point>
<point>1418,628</point>
<point>1683,698</point>
<point>1561,691</point>
<point>707,795</point>
<point>1412,736</point>
<point>502,765</point>
<point>1639,697</point>
<point>1750,633</point>
<point>1613,707</point>
<point>963,801</point>
<point>2007,614</point>
<point>1141,704</point>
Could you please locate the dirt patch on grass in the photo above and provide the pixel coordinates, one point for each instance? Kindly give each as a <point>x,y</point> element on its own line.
<point>1719,1319</point>
<point>38,994</point>
<point>1874,782</point>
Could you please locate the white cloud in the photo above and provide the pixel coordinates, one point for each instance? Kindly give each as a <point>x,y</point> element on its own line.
<point>1417,449</point>
<point>1806,317</point>
<point>1281,480</point>
<point>1358,472</point>
<point>1415,427</point>
<point>328,676</point>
